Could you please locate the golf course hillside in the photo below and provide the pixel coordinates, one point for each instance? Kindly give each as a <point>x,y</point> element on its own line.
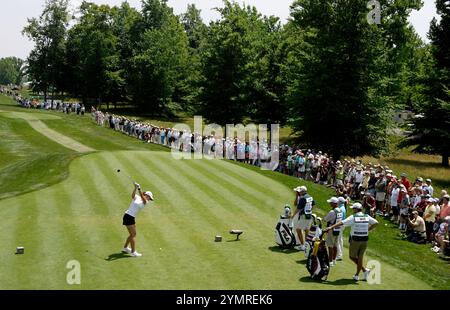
<point>62,199</point>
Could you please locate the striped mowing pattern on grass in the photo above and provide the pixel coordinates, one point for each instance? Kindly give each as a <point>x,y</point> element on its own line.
<point>80,219</point>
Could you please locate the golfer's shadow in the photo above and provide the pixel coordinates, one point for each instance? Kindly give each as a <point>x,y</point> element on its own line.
<point>283,250</point>
<point>117,256</point>
<point>338,282</point>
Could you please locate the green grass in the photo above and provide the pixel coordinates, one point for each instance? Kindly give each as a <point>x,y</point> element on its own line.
<point>385,243</point>
<point>28,160</point>
<point>24,150</point>
<point>80,218</point>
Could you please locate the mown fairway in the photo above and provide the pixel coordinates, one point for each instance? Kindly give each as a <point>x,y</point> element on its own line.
<point>80,217</point>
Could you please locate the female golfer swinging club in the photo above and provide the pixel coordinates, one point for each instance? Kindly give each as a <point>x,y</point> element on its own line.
<point>138,203</point>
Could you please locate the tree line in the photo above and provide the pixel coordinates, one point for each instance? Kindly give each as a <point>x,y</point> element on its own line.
<point>327,72</point>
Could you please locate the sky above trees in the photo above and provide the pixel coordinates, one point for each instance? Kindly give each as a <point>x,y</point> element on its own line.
<point>14,14</point>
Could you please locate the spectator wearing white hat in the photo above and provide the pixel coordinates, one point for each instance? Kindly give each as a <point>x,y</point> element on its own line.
<point>440,236</point>
<point>428,187</point>
<point>302,218</point>
<point>359,176</point>
<point>380,193</point>
<point>395,193</point>
<point>404,208</point>
<point>129,219</point>
<point>339,174</point>
<point>360,224</point>
<point>308,167</point>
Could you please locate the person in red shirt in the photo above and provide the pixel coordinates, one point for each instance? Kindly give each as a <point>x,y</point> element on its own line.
<point>405,181</point>
<point>420,207</point>
<point>368,204</point>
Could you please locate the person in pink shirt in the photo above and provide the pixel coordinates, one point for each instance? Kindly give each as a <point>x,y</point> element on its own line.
<point>445,207</point>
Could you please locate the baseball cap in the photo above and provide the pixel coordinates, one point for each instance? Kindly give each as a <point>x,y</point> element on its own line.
<point>428,180</point>
<point>341,199</point>
<point>357,206</point>
<point>430,200</point>
<point>333,200</point>
<point>149,194</point>
<point>446,196</point>
<point>300,189</point>
<point>415,212</point>
<point>403,174</point>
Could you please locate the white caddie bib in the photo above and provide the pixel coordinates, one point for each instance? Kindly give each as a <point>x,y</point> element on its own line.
<point>339,218</point>
<point>308,206</point>
<point>361,227</point>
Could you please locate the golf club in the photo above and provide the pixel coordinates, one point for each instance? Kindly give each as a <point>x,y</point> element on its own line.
<point>119,171</point>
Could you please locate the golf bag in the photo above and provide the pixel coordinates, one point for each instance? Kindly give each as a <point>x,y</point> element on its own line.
<point>314,234</point>
<point>284,236</point>
<point>318,264</point>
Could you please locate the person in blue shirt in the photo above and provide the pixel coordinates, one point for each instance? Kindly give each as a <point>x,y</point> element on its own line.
<point>343,206</point>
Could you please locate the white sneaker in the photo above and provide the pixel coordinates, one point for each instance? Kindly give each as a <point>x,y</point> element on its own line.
<point>332,264</point>
<point>136,254</point>
<point>126,250</point>
<point>355,277</point>
<point>339,258</point>
<point>366,274</point>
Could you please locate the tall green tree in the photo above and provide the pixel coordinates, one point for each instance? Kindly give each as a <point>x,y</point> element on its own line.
<point>127,27</point>
<point>159,60</point>
<point>12,71</point>
<point>431,131</point>
<point>267,88</point>
<point>234,81</point>
<point>92,55</point>
<point>196,31</point>
<point>46,61</point>
<point>343,82</point>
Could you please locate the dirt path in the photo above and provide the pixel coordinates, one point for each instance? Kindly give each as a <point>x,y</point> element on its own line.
<point>59,138</point>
